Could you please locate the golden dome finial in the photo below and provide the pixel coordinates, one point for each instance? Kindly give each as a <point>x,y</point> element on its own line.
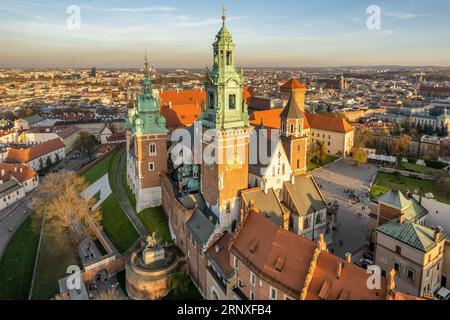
<point>224,17</point>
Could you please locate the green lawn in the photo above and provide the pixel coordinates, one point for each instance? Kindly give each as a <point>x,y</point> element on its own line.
<point>97,171</point>
<point>312,166</point>
<point>385,181</point>
<point>420,169</point>
<point>56,254</point>
<point>17,262</point>
<point>155,220</point>
<point>117,225</point>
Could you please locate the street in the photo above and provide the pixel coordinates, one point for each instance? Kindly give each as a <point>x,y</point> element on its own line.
<point>13,216</point>
<point>333,180</point>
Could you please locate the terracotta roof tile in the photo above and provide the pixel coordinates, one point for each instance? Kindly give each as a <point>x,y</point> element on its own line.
<point>293,84</point>
<point>28,154</point>
<point>17,170</point>
<point>328,123</point>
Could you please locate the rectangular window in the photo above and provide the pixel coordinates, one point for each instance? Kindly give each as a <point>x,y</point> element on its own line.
<point>298,164</point>
<point>152,149</point>
<point>232,101</point>
<point>396,266</point>
<point>411,274</point>
<point>151,166</point>
<point>398,250</point>
<point>283,127</point>
<point>273,294</point>
<point>229,58</point>
<point>211,101</point>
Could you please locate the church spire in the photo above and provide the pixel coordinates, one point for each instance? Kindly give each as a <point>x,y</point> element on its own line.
<point>146,68</point>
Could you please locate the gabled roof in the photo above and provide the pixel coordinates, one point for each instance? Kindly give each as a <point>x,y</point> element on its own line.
<point>17,170</point>
<point>67,132</point>
<point>351,285</point>
<point>37,151</point>
<point>9,187</point>
<point>305,195</point>
<point>267,204</point>
<point>261,244</point>
<point>293,84</point>
<point>410,233</point>
<point>219,255</point>
<point>201,227</point>
<point>328,123</point>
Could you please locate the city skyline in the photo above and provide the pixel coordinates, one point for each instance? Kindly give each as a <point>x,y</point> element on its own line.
<point>114,34</point>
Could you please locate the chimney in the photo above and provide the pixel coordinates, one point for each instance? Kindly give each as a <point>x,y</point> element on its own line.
<point>348,256</point>
<point>340,266</point>
<point>402,218</point>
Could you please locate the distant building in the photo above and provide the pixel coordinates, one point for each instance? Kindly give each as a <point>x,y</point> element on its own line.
<point>38,156</point>
<point>93,73</point>
<point>16,180</point>
<point>435,92</point>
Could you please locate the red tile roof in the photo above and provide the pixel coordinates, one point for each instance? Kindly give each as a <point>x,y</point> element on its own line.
<point>222,257</point>
<point>293,84</point>
<point>37,151</point>
<point>351,285</point>
<point>17,170</point>
<point>182,97</point>
<point>260,245</point>
<point>328,123</point>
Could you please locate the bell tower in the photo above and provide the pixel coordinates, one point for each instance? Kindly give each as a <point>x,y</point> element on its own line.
<point>226,133</point>
<point>146,146</point>
<point>292,125</point>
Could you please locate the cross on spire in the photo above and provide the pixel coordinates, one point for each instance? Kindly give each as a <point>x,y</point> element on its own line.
<point>146,70</point>
<point>224,17</point>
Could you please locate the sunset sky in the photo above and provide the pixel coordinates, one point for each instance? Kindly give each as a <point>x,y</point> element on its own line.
<point>179,33</point>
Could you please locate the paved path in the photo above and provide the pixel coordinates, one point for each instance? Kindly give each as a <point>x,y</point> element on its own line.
<point>334,179</point>
<point>102,186</point>
<point>125,202</point>
<point>12,217</point>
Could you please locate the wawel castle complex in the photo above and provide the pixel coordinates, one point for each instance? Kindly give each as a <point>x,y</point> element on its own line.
<point>249,229</point>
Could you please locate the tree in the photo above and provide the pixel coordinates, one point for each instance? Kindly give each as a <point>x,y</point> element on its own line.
<point>87,144</point>
<point>59,201</point>
<point>360,156</point>
<point>317,152</point>
<point>401,145</point>
<point>48,162</point>
<point>179,283</point>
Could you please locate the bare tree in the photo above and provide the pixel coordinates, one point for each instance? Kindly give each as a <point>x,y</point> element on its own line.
<point>112,294</point>
<point>58,200</point>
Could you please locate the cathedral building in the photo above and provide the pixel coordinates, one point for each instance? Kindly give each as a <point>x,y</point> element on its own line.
<point>146,140</point>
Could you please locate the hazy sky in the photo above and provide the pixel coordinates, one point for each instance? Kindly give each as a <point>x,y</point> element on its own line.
<point>179,33</point>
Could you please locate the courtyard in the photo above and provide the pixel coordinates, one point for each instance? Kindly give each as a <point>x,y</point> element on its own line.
<point>334,180</point>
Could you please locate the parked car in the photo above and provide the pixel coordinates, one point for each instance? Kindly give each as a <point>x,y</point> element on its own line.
<point>442,294</point>
<point>368,255</point>
<point>429,195</point>
<point>364,263</point>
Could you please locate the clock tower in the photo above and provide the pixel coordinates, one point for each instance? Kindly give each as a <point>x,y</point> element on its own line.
<point>226,134</point>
